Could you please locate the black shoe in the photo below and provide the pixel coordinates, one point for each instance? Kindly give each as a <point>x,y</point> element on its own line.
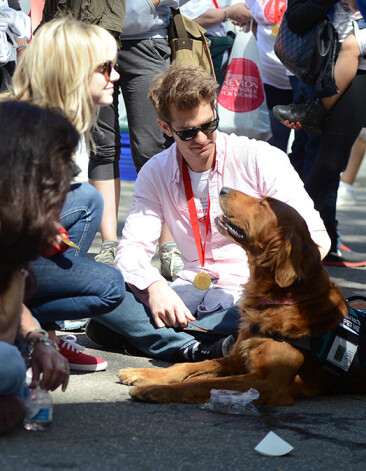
<point>108,338</point>
<point>311,117</point>
<point>103,335</point>
<point>203,351</point>
<point>345,257</point>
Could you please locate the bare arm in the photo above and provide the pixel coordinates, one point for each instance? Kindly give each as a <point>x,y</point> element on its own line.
<point>238,12</point>
<point>11,305</point>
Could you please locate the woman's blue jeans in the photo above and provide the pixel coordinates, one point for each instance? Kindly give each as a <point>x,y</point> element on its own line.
<point>12,371</point>
<point>133,320</point>
<point>70,286</point>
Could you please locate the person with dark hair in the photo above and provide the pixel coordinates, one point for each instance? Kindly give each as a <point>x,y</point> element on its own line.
<point>343,125</point>
<point>77,81</point>
<point>36,167</point>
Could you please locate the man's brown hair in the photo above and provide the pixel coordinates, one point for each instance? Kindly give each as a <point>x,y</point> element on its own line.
<point>182,87</point>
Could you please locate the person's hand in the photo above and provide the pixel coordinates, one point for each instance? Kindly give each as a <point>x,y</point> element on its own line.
<point>352,4</point>
<point>239,14</point>
<point>167,308</point>
<point>60,243</point>
<point>53,366</point>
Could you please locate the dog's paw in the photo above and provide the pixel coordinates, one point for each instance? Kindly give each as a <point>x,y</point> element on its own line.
<point>150,394</point>
<point>131,376</point>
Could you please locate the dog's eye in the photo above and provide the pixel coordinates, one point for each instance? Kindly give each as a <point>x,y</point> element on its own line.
<point>261,202</point>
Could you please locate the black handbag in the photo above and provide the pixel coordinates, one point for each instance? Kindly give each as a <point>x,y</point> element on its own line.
<point>305,54</point>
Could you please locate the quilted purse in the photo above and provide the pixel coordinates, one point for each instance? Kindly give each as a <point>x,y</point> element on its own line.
<point>305,54</point>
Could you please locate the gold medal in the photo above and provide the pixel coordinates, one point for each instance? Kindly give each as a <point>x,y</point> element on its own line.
<point>275,29</point>
<point>202,281</point>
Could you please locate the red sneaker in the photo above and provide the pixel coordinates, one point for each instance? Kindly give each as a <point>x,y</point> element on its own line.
<point>345,257</point>
<point>77,360</point>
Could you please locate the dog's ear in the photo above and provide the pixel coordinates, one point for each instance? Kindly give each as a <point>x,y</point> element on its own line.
<point>285,272</point>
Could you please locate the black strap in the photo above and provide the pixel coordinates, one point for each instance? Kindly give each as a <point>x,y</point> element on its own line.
<point>199,328</point>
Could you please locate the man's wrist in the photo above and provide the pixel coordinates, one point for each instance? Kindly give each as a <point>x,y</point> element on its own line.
<point>226,15</point>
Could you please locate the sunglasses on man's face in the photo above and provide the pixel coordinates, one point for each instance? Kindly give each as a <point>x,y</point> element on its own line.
<point>105,69</point>
<point>191,133</point>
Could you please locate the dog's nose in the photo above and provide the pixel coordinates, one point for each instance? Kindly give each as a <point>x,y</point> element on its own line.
<point>225,190</point>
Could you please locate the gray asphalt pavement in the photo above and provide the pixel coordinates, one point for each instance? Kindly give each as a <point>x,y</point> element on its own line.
<point>97,427</point>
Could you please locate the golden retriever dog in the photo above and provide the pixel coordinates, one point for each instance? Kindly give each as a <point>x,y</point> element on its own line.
<point>290,343</point>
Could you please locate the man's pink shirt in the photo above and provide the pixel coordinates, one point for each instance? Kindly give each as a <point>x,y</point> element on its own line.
<point>253,167</point>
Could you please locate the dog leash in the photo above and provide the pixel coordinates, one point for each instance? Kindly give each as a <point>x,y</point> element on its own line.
<point>199,328</point>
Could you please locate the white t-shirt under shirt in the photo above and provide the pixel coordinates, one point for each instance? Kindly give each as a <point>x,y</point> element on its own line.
<point>199,182</point>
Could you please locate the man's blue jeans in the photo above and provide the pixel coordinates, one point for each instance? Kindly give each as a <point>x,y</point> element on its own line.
<point>70,286</point>
<point>133,320</point>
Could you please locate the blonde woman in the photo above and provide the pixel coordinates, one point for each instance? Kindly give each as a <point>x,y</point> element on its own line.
<point>70,66</point>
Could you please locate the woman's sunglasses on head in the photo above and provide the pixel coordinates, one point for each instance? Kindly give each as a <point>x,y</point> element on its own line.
<point>191,133</point>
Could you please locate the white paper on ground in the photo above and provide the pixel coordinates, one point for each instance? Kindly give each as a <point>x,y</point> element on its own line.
<point>273,445</point>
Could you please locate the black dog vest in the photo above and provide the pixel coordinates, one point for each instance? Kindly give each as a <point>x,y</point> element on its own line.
<point>342,351</point>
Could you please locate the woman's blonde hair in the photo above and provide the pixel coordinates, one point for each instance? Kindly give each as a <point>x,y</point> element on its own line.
<point>56,69</point>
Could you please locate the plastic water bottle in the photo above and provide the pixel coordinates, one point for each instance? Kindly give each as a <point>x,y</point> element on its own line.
<point>38,410</point>
<point>225,401</point>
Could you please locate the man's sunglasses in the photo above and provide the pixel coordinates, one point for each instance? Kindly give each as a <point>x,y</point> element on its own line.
<point>105,69</point>
<point>191,133</point>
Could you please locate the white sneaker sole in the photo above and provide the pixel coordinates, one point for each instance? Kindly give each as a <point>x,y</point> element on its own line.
<point>91,368</point>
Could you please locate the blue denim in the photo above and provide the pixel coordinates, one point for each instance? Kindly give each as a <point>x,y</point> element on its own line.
<point>304,152</point>
<point>12,371</point>
<point>134,321</point>
<point>81,216</point>
<point>70,286</point>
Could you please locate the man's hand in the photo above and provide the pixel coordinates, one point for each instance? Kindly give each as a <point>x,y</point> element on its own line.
<point>239,14</point>
<point>167,308</point>
<point>53,366</point>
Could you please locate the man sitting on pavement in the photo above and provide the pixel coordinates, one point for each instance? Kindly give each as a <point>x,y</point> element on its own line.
<point>180,186</point>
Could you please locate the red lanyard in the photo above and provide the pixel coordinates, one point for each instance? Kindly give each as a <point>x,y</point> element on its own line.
<point>215,3</point>
<point>193,214</point>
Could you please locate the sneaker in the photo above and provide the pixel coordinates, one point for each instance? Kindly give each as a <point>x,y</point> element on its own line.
<point>77,360</point>
<point>170,261</point>
<point>311,117</point>
<point>345,195</point>
<point>107,252</point>
<point>200,351</point>
<point>75,324</point>
<point>345,257</point>
<point>108,338</point>
<point>12,410</point>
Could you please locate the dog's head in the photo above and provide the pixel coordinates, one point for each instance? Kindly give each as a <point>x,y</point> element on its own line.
<point>274,235</point>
